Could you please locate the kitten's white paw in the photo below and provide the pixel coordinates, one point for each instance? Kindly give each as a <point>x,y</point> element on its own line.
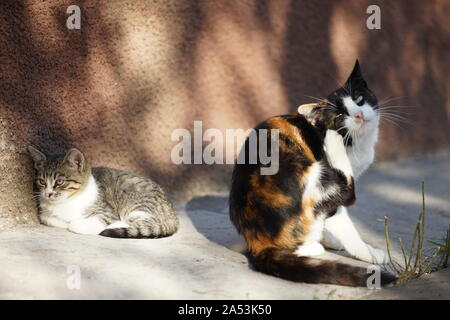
<point>86,226</point>
<point>53,222</point>
<point>310,249</point>
<point>336,153</point>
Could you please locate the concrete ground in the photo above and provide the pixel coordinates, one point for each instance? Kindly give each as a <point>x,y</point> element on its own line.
<point>203,260</point>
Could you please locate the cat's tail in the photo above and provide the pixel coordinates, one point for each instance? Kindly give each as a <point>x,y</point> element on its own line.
<point>285,264</point>
<point>139,229</point>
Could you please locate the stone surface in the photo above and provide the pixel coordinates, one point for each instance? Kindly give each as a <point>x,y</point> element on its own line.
<point>204,260</point>
<point>138,69</point>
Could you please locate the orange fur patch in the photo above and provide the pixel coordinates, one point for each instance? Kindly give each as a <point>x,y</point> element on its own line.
<point>293,132</point>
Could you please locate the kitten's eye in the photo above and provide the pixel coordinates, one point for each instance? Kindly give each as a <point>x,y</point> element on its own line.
<point>41,182</point>
<point>59,182</point>
<point>360,100</point>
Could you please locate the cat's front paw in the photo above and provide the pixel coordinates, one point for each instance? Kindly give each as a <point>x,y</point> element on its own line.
<point>53,222</point>
<point>333,138</point>
<point>335,150</point>
<point>91,226</point>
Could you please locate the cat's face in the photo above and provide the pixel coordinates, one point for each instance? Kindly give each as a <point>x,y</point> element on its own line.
<point>59,177</point>
<point>352,110</point>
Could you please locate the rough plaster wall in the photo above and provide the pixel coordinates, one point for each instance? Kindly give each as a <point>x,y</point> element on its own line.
<point>138,69</point>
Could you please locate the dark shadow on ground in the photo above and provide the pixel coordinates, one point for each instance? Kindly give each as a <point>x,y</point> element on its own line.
<point>209,215</point>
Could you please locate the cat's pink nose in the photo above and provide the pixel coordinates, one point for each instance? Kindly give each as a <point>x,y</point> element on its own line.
<point>48,194</point>
<point>359,115</point>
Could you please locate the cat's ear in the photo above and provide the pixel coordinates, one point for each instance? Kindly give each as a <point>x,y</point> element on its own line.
<point>75,159</point>
<point>305,109</point>
<point>356,78</point>
<point>37,156</point>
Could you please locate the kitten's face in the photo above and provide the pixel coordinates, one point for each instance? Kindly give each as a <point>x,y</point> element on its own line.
<point>59,177</point>
<point>351,109</point>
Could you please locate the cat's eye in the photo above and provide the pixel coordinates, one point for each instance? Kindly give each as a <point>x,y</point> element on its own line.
<point>59,182</point>
<point>41,182</point>
<point>359,100</point>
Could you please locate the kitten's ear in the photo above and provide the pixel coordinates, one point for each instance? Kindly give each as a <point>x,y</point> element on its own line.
<point>305,109</point>
<point>75,159</point>
<point>356,77</point>
<point>38,156</point>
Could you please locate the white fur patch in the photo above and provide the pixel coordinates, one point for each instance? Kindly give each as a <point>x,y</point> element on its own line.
<point>118,224</point>
<point>72,208</point>
<point>316,232</point>
<point>364,135</point>
<point>91,225</point>
<point>313,188</point>
<point>309,249</point>
<point>336,152</point>
<point>53,221</point>
<point>362,154</point>
<point>341,227</point>
<point>330,242</point>
<point>139,215</point>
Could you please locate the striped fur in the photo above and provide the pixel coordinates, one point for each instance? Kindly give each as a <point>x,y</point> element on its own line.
<point>93,201</point>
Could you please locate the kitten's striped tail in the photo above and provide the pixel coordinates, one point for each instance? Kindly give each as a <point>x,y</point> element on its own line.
<point>285,264</point>
<point>143,229</point>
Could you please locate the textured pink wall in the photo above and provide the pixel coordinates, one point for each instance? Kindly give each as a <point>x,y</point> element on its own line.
<point>137,70</point>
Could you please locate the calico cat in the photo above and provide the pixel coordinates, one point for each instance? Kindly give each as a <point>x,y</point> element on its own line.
<point>283,217</point>
<point>103,201</point>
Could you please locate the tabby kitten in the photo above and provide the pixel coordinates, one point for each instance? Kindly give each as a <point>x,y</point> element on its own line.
<point>103,201</point>
<point>284,217</point>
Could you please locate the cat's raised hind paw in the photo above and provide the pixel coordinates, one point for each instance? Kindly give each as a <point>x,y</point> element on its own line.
<point>379,256</point>
<point>330,242</point>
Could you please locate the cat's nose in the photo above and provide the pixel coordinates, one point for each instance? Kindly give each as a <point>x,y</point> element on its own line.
<point>359,115</point>
<point>49,194</point>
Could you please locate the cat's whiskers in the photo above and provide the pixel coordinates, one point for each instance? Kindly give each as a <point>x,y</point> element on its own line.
<point>383,106</point>
<point>322,100</point>
<point>390,99</point>
<point>396,116</point>
<point>400,110</point>
<point>355,135</point>
<point>392,121</point>
<point>393,115</point>
<point>355,144</point>
<point>346,138</point>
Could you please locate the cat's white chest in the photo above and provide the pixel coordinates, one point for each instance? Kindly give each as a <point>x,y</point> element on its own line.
<point>360,160</point>
<point>74,207</point>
